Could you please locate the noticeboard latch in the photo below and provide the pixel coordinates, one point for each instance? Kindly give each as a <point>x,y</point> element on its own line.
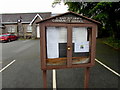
<point>68,48</point>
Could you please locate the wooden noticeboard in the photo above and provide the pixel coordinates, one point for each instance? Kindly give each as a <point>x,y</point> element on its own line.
<point>67,41</point>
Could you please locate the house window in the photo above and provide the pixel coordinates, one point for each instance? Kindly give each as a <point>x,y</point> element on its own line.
<point>29,28</point>
<point>11,29</point>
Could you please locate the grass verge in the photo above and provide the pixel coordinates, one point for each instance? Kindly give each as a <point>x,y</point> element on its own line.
<point>112,42</point>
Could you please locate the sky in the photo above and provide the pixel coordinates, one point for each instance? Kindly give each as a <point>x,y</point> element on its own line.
<point>26,6</point>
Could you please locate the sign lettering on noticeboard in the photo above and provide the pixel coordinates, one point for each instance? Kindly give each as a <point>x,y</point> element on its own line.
<point>68,19</point>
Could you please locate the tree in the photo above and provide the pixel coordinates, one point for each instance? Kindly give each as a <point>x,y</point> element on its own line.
<point>108,13</point>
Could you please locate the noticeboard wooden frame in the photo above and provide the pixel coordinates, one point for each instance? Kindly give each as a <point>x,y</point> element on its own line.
<point>69,53</point>
<point>68,20</point>
<point>91,24</point>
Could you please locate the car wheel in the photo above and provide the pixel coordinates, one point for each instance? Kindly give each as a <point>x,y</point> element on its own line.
<point>9,40</point>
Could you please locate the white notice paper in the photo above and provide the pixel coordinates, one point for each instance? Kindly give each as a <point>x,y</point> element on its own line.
<point>52,43</point>
<point>62,35</point>
<point>52,50</point>
<point>79,34</point>
<point>55,35</point>
<point>81,47</point>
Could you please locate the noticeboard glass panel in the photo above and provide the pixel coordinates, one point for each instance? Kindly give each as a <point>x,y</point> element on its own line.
<point>56,39</point>
<point>80,45</point>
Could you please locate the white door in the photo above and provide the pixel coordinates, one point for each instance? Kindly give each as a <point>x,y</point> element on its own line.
<point>38,31</point>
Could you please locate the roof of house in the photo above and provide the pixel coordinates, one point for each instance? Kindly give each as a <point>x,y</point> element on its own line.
<point>26,17</point>
<point>70,12</point>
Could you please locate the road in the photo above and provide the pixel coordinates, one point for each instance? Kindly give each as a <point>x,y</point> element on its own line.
<point>108,55</point>
<point>25,72</point>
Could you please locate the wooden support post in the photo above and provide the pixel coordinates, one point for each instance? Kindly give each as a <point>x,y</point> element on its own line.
<point>86,78</point>
<point>44,79</point>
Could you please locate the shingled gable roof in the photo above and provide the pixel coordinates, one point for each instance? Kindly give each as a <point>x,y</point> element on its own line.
<point>70,12</point>
<point>26,17</point>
